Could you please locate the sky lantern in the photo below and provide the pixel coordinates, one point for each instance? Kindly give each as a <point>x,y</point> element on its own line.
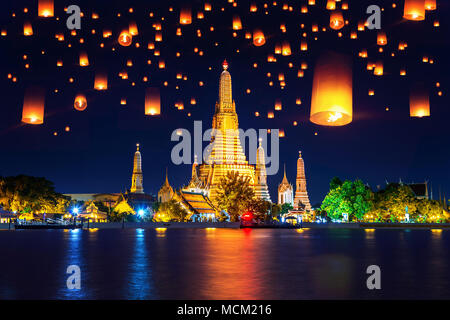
<point>331,4</point>
<point>258,38</point>
<point>336,20</point>
<point>101,81</point>
<point>207,6</point>
<point>378,71</point>
<point>237,24</point>
<point>185,16</point>
<point>84,60</point>
<point>419,102</point>
<point>80,102</point>
<point>27,29</point>
<point>33,105</point>
<point>286,49</point>
<point>152,101</point>
<point>332,93</point>
<point>304,45</point>
<point>125,38</point>
<point>430,5</point>
<point>45,8</point>
<point>158,36</point>
<point>381,39</point>
<point>133,29</point>
<point>414,10</point>
<point>278,105</point>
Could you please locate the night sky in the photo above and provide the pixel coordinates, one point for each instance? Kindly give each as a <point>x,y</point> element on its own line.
<point>96,155</point>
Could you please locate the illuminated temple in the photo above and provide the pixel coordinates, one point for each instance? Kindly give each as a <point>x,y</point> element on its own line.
<point>225,154</point>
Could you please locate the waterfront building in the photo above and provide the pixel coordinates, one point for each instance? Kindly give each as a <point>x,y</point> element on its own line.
<point>226,153</point>
<point>166,192</point>
<point>301,199</point>
<point>137,181</point>
<point>261,188</point>
<point>285,191</point>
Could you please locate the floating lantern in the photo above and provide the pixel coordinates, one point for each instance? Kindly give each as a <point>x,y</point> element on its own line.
<point>371,92</point>
<point>414,10</point>
<point>84,60</point>
<point>419,102</point>
<point>33,106</point>
<point>207,6</point>
<point>286,49</point>
<point>332,94</point>
<point>161,64</point>
<point>331,4</point>
<point>304,46</point>
<point>270,115</point>
<point>237,24</point>
<point>336,20</point>
<point>27,29</point>
<point>430,5</point>
<point>378,71</point>
<point>123,101</point>
<point>125,38</point>
<point>80,102</point>
<point>253,7</point>
<point>185,16</point>
<point>45,8</point>
<point>158,36</point>
<point>381,39</point>
<point>152,101</point>
<point>258,38</point>
<point>278,105</point>
<point>133,29</point>
<point>101,81</point>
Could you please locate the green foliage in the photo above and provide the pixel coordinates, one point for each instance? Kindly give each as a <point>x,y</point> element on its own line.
<point>276,210</point>
<point>390,204</point>
<point>335,183</point>
<point>235,194</point>
<point>351,197</point>
<point>25,194</point>
<point>285,207</point>
<point>171,211</point>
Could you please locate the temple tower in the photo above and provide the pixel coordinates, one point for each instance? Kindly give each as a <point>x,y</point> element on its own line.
<point>166,192</point>
<point>285,191</point>
<point>225,151</point>
<point>137,178</point>
<point>261,188</point>
<point>301,195</point>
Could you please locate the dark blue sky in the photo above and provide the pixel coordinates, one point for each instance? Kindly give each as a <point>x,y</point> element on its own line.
<point>96,155</point>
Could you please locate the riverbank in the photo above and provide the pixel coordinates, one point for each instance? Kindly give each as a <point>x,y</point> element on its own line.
<point>236,225</point>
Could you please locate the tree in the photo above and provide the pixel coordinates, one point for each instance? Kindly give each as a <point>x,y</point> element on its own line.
<point>391,203</point>
<point>352,198</point>
<point>260,208</point>
<point>285,207</point>
<point>335,183</point>
<point>234,194</point>
<point>25,194</point>
<point>170,211</point>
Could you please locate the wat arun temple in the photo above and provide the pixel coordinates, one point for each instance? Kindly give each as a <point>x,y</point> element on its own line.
<point>226,154</point>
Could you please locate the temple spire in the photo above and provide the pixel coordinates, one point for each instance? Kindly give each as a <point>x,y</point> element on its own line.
<point>137,177</point>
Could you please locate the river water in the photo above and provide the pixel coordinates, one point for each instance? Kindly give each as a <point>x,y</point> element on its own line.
<point>224,264</point>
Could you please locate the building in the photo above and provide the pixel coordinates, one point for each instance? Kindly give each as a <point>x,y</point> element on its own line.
<point>225,155</point>
<point>137,181</point>
<point>261,188</point>
<point>301,199</point>
<point>285,191</point>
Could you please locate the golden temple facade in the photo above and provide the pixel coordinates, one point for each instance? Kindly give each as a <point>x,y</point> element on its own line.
<point>225,153</point>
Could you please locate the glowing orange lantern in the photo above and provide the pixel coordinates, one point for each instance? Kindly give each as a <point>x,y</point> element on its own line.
<point>381,39</point>
<point>286,49</point>
<point>80,102</point>
<point>258,38</point>
<point>419,102</point>
<point>430,5</point>
<point>185,16</point>
<point>237,24</point>
<point>84,60</point>
<point>133,29</point>
<point>331,4</point>
<point>332,94</point>
<point>33,106</point>
<point>27,29</point>
<point>304,46</point>
<point>336,20</point>
<point>152,101</point>
<point>45,8</point>
<point>101,81</point>
<point>125,38</point>
<point>278,105</point>
<point>378,69</point>
<point>414,10</point>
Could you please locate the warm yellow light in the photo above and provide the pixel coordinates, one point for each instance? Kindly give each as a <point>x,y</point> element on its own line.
<point>414,10</point>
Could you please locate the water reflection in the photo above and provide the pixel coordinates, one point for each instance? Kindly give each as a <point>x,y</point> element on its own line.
<point>140,275</point>
<point>74,256</point>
